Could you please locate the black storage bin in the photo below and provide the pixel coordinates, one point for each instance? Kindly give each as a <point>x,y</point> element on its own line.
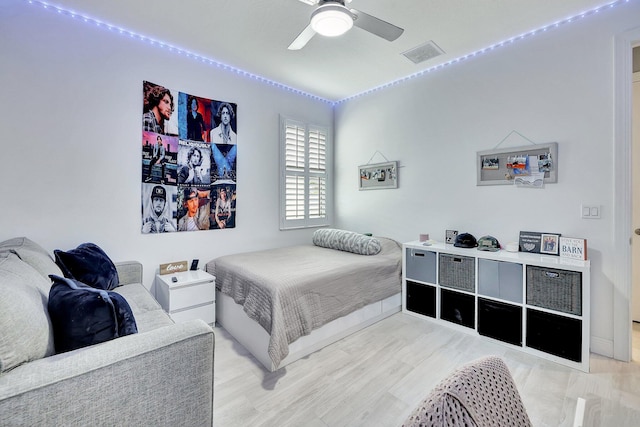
<point>421,265</point>
<point>500,321</point>
<point>457,308</point>
<point>555,289</point>
<point>555,334</point>
<point>458,272</point>
<point>421,299</point>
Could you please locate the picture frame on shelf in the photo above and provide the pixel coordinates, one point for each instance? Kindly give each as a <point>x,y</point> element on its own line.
<point>378,176</point>
<point>534,242</point>
<point>549,244</point>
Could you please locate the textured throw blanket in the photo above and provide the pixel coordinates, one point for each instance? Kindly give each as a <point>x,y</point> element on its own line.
<point>293,290</point>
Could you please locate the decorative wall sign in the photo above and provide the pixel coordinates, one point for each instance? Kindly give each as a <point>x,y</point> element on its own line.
<point>189,150</point>
<point>378,176</point>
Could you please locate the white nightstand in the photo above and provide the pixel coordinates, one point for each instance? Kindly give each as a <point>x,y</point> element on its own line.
<point>191,296</point>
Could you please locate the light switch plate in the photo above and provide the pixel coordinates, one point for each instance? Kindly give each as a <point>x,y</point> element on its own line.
<point>590,211</point>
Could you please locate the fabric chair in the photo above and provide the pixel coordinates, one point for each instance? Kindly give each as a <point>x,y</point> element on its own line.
<point>480,393</point>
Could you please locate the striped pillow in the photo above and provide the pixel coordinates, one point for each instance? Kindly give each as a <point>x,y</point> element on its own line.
<point>346,241</point>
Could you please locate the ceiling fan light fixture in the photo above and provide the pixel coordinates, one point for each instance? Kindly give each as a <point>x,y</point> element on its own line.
<point>331,20</point>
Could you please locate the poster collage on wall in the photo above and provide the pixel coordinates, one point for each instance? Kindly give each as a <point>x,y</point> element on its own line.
<point>189,158</point>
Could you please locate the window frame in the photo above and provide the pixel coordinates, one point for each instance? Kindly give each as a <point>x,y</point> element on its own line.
<point>306,173</point>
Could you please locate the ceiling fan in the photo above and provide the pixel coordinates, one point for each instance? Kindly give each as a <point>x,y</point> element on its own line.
<point>333,18</point>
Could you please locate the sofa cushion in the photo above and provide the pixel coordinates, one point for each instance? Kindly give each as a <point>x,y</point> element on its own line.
<point>148,313</point>
<point>346,241</point>
<point>88,264</point>
<point>25,329</point>
<point>33,254</point>
<point>82,315</point>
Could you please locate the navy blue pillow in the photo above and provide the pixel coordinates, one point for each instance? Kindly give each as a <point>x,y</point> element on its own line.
<point>88,264</point>
<point>83,316</point>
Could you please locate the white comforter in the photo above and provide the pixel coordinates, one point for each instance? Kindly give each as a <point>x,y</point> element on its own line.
<point>294,290</point>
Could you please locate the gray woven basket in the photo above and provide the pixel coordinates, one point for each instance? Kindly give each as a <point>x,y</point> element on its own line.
<point>457,272</point>
<point>554,289</point>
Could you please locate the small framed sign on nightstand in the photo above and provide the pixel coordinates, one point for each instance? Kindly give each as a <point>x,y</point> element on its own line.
<point>173,267</point>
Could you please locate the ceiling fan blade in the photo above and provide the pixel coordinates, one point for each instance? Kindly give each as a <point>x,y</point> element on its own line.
<point>302,39</point>
<point>376,26</point>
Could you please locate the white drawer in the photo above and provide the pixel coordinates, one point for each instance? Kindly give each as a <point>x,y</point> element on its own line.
<point>192,295</point>
<point>205,312</point>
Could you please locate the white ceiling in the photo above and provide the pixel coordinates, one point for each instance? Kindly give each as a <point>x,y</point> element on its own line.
<point>253,35</point>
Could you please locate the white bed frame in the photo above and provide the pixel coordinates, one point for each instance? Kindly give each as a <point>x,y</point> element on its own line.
<point>254,338</point>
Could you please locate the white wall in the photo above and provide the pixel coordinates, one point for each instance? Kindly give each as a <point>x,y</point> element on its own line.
<point>556,86</point>
<point>71,158</point>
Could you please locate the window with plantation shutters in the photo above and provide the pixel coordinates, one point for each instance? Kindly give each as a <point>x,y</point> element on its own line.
<point>304,183</point>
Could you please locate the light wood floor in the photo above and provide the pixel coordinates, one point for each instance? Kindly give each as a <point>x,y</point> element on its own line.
<point>377,376</point>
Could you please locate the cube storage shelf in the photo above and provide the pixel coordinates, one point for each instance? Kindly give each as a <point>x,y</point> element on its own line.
<point>536,303</point>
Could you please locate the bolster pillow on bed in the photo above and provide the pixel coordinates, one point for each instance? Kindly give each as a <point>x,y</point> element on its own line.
<point>346,241</point>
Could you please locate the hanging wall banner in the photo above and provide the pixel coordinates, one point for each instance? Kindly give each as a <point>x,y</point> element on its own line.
<point>189,151</point>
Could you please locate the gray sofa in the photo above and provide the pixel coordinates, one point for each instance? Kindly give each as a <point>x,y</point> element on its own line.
<point>163,375</point>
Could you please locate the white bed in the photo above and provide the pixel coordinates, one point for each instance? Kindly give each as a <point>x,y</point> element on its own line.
<point>284,304</point>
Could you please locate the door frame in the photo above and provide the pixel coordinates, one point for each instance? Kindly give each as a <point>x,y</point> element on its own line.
<point>635,199</point>
<point>622,285</point>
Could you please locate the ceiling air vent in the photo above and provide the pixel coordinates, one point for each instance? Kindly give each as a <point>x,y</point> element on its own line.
<point>424,52</point>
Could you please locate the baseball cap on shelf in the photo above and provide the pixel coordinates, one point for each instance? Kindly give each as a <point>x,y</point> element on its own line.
<point>465,240</point>
<point>488,243</point>
<point>159,191</point>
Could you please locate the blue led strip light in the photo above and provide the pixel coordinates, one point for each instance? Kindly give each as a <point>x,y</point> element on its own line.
<point>264,80</point>
<point>489,48</point>
<point>173,49</point>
